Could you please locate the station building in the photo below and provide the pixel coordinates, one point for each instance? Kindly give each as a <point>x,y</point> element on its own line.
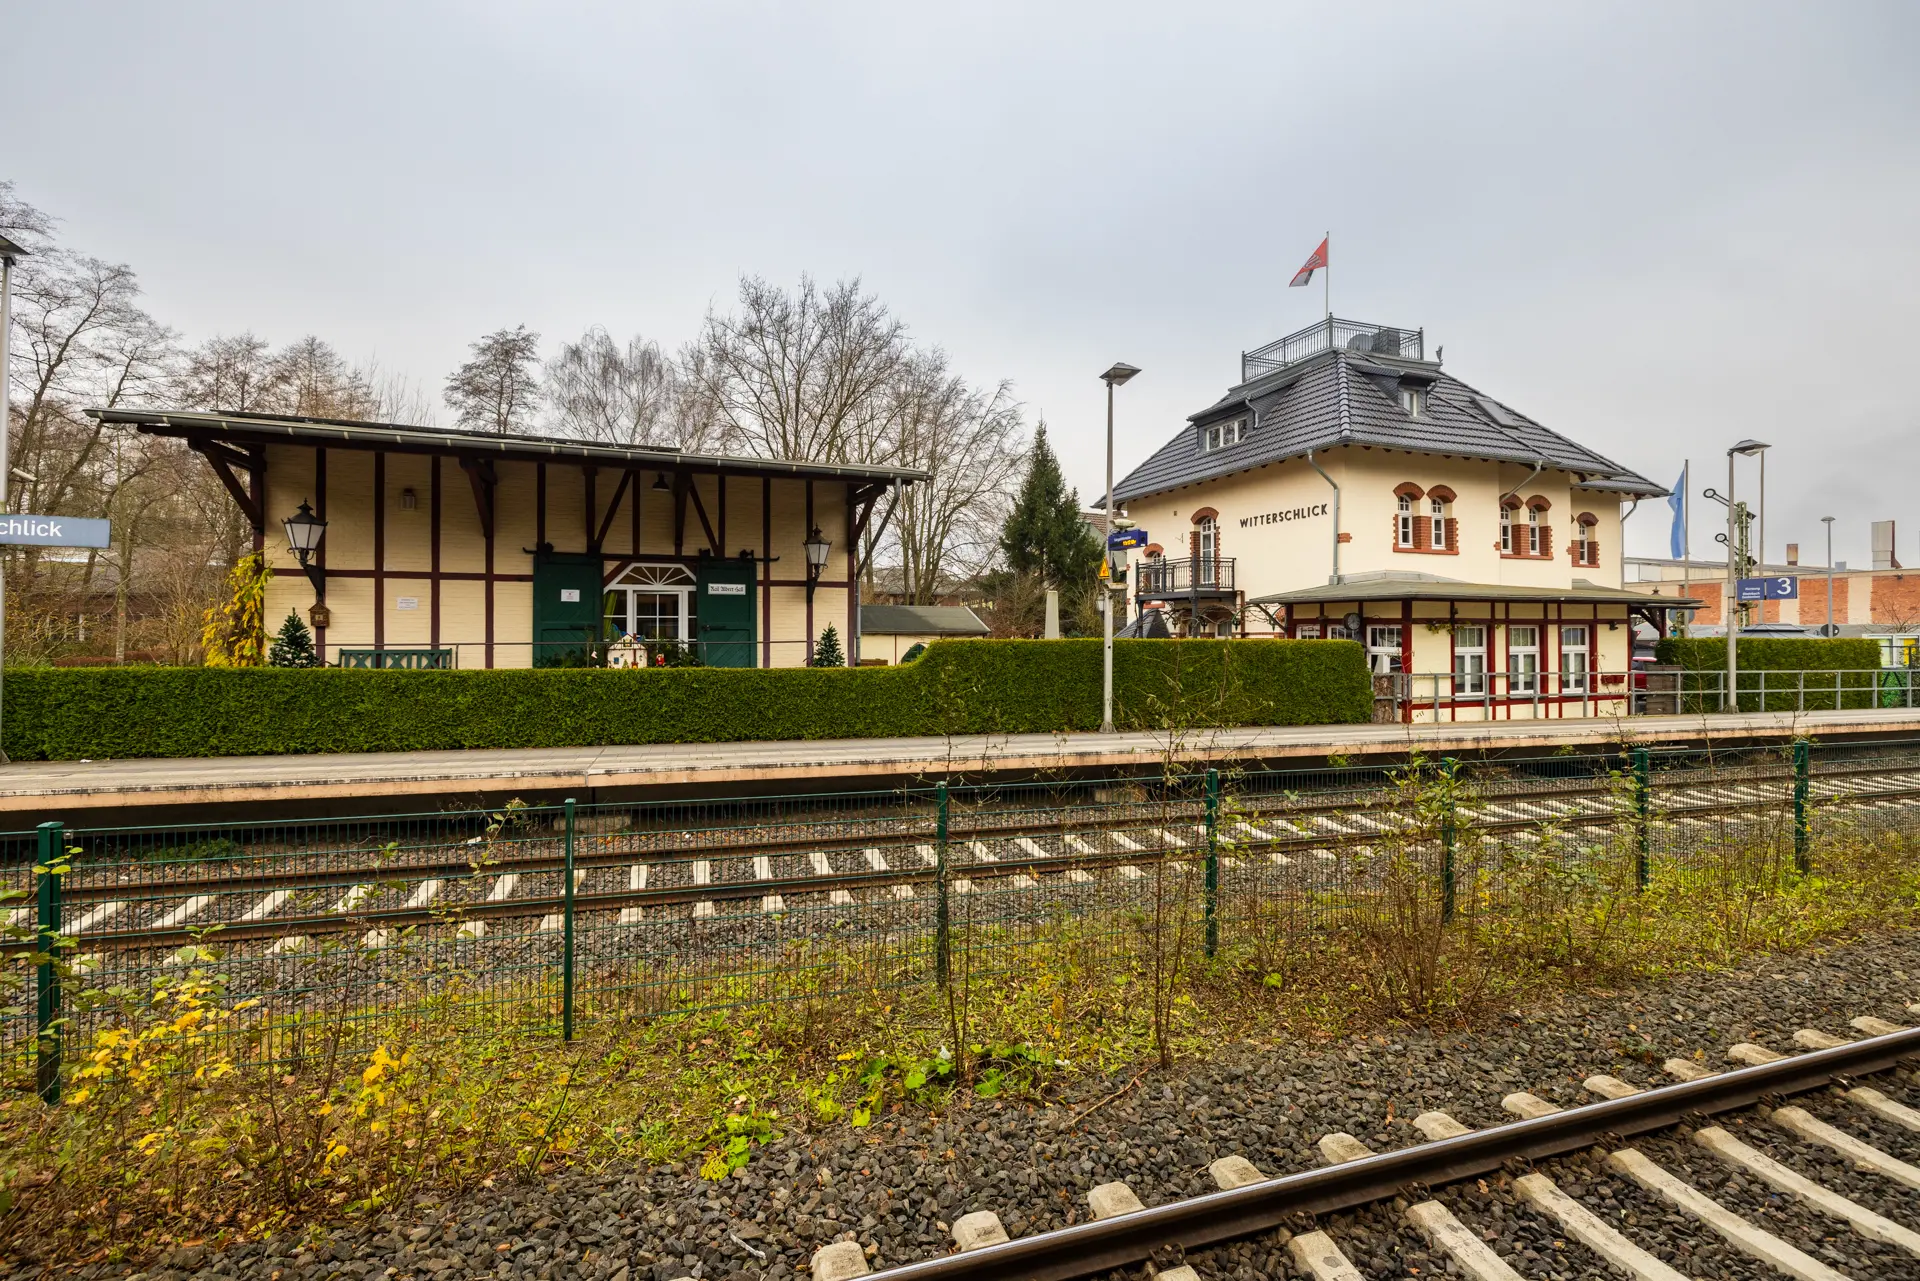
<point>475,549</point>
<point>1348,487</point>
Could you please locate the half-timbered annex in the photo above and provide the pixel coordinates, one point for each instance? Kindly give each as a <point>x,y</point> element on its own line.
<point>442,548</point>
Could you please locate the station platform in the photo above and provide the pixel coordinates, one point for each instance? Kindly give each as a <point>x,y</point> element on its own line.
<point>177,790</point>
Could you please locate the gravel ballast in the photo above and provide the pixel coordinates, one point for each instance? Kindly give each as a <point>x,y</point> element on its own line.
<point>897,1186</point>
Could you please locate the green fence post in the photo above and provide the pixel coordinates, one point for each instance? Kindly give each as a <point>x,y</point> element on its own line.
<point>47,974</point>
<point>1802,771</point>
<point>942,934</point>
<point>566,945</point>
<point>1213,862</point>
<point>1642,816</point>
<point>1449,837</point>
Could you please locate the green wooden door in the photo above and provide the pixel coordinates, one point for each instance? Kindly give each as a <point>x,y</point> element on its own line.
<point>566,609</point>
<point>725,608</point>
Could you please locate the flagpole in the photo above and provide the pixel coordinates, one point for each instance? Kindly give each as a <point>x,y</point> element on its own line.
<point>1686,528</point>
<point>1326,281</point>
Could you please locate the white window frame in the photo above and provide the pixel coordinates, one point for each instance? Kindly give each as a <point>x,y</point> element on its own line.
<point>1523,677</point>
<point>1384,654</point>
<point>1338,631</point>
<point>1208,544</point>
<point>1533,531</point>
<point>1506,529</point>
<point>1438,510</point>
<point>1306,631</point>
<point>1583,545</point>
<point>1403,523</point>
<point>1576,667</point>
<point>1469,660</point>
<point>1413,400</point>
<point>654,580</point>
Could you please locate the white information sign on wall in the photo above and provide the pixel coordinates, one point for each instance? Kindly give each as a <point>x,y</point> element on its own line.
<point>569,595</point>
<point>726,589</point>
<point>407,602</point>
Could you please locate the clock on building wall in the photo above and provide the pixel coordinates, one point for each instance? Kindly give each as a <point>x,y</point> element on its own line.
<point>1353,624</point>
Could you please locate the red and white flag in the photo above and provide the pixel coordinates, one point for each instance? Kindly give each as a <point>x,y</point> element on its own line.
<point>1305,275</point>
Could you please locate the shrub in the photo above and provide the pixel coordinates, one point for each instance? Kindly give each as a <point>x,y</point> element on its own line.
<point>1763,654</point>
<point>957,687</point>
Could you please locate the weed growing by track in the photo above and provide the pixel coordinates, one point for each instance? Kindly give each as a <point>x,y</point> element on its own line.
<point>183,1121</point>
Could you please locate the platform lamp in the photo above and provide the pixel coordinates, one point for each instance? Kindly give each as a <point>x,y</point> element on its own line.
<point>1747,449</point>
<point>8,252</point>
<point>818,548</point>
<point>1116,376</point>
<point>1831,629</point>
<point>304,531</point>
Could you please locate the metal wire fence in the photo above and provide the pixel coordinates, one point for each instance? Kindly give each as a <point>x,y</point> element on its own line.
<point>549,918</point>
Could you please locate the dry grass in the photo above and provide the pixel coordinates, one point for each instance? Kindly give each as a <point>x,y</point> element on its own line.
<point>167,1135</point>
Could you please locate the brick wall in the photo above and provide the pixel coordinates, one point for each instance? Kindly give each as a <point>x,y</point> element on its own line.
<point>1813,601</point>
<point>1896,599</point>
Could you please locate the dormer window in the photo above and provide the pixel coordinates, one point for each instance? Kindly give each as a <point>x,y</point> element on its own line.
<point>1220,435</point>
<point>1414,401</point>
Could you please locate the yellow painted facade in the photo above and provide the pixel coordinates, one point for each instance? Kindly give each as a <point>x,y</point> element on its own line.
<point>388,588</point>
<point>1538,658</point>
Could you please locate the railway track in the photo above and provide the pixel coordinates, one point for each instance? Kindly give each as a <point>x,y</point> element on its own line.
<point>632,877</point>
<point>1121,1233</point>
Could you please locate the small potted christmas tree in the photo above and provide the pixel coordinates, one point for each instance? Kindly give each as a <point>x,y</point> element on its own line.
<point>293,647</point>
<point>827,652</point>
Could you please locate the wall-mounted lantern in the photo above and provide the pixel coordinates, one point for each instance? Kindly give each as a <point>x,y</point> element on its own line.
<point>304,531</point>
<point>818,549</point>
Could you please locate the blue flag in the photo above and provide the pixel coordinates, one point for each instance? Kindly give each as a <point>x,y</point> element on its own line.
<point>1677,543</point>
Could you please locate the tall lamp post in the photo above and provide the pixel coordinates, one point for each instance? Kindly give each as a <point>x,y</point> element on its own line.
<point>8,252</point>
<point>1731,701</point>
<point>1114,377</point>
<point>1832,630</point>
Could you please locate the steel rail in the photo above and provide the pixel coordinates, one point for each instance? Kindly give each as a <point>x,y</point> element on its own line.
<point>964,826</point>
<point>1088,1249</point>
<point>457,862</point>
<point>728,891</point>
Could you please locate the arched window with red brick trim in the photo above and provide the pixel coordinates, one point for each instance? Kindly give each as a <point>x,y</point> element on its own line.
<point>1539,533</point>
<point>1508,506</point>
<point>1441,533</point>
<point>1407,533</point>
<point>1586,548</point>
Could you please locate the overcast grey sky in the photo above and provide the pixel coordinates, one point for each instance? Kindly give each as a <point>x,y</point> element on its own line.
<point>1658,228</point>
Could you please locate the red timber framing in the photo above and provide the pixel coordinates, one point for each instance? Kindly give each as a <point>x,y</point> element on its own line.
<point>238,446</point>
<point>1499,617</point>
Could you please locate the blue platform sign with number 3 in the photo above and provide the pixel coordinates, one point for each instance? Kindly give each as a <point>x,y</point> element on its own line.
<point>1782,588</point>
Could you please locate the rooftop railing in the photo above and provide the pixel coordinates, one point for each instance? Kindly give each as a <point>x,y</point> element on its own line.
<point>1325,335</point>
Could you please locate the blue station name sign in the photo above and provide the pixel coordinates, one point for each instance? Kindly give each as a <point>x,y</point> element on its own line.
<point>54,531</point>
<point>1780,588</point>
<point>1122,538</point>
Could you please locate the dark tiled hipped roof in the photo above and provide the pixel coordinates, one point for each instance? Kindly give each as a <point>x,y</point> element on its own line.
<point>1344,397</point>
<point>920,620</point>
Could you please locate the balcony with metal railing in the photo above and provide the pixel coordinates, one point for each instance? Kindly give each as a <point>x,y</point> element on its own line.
<point>1325,335</point>
<point>1202,576</point>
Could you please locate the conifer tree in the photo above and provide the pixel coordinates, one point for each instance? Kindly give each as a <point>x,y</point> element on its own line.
<point>827,652</point>
<point>293,647</point>
<point>1044,534</point>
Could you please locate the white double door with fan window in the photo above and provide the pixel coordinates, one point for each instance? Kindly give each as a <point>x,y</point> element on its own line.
<point>650,603</point>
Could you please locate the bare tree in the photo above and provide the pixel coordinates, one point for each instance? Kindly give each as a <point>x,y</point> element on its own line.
<point>499,389</point>
<point>970,441</point>
<point>803,375</point>
<point>237,373</point>
<point>599,390</point>
<point>316,382</point>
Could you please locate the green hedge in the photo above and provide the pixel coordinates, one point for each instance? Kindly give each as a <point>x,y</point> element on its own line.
<point>1760,655</point>
<point>957,687</point>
